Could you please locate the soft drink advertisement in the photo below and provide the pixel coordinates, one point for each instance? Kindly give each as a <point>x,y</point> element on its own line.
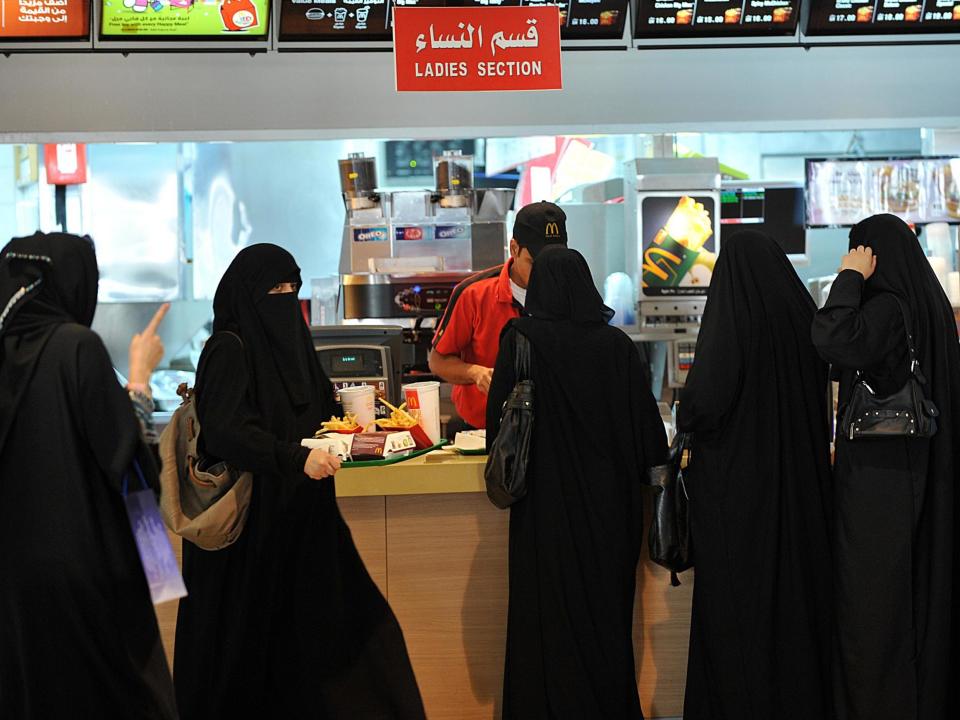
<point>678,244</point>
<point>44,18</point>
<point>185,18</point>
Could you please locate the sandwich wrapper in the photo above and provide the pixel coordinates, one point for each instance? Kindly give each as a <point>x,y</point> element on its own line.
<point>365,445</point>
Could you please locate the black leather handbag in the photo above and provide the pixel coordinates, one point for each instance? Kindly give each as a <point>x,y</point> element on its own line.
<point>905,413</point>
<point>670,539</point>
<point>505,473</point>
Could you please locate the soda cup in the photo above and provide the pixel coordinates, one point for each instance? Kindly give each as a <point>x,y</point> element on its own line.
<point>359,400</point>
<point>425,397</point>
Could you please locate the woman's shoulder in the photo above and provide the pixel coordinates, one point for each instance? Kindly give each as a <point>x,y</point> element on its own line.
<point>71,339</point>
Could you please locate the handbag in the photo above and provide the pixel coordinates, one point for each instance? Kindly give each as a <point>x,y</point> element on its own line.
<point>205,503</point>
<point>505,473</point>
<point>905,413</point>
<point>670,539</point>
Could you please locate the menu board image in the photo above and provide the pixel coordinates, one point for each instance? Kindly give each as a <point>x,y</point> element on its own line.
<point>44,19</point>
<point>164,19</point>
<point>716,18</point>
<point>330,20</point>
<point>866,17</point>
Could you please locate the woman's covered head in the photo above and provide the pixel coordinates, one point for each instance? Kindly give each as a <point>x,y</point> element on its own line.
<point>561,288</point>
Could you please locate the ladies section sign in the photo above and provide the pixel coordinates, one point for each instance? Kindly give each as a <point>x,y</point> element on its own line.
<point>470,49</point>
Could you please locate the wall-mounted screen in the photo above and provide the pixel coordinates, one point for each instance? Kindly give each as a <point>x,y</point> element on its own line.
<point>867,17</point>
<point>44,19</point>
<point>347,20</point>
<point>716,18</point>
<point>185,19</point>
<point>844,191</point>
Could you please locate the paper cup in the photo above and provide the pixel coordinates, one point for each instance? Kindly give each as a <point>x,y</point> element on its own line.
<point>359,400</point>
<point>425,397</point>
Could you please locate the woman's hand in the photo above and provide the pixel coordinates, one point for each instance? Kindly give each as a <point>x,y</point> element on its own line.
<point>321,464</point>
<point>860,259</point>
<point>146,350</point>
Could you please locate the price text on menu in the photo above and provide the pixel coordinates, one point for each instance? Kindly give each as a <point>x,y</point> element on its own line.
<point>345,20</point>
<point>39,19</point>
<point>683,18</point>
<point>469,49</point>
<point>828,17</point>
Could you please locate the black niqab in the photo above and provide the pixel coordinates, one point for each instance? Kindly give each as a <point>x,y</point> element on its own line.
<point>45,280</point>
<point>276,340</point>
<point>561,288</point>
<point>755,401</point>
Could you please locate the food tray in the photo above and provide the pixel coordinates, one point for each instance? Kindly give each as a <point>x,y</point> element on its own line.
<point>461,451</point>
<point>392,460</point>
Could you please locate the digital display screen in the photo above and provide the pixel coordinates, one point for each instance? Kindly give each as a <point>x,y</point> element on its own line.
<point>777,212</point>
<point>44,19</point>
<point>716,18</point>
<point>850,17</point>
<point>331,20</point>
<point>843,192</point>
<point>414,158</point>
<point>191,19</point>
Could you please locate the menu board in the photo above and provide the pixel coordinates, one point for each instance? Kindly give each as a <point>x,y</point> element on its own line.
<point>849,17</point>
<point>716,18</point>
<point>918,190</point>
<point>331,20</point>
<point>190,19</point>
<point>44,19</point>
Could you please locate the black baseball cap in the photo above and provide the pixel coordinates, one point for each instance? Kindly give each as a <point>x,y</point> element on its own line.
<point>540,224</point>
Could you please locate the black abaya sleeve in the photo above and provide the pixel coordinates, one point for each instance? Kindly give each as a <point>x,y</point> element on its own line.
<point>230,429</point>
<point>856,335</point>
<point>105,414</point>
<point>504,379</point>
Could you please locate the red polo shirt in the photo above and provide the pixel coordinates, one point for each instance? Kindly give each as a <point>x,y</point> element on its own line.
<point>479,308</point>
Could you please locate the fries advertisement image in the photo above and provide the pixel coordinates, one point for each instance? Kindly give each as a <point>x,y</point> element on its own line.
<point>678,244</point>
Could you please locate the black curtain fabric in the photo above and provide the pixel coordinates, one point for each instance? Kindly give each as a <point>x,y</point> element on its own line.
<point>575,539</point>
<point>78,634</point>
<point>286,622</point>
<point>755,401</point>
<point>896,542</point>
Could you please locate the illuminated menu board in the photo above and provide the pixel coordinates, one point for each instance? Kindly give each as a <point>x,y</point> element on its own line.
<point>44,19</point>
<point>716,18</point>
<point>330,20</point>
<point>190,19</point>
<point>849,17</point>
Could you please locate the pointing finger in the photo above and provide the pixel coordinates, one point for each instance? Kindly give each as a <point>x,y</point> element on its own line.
<point>157,318</point>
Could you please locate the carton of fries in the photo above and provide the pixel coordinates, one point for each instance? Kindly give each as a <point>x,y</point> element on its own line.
<point>346,426</point>
<point>401,420</point>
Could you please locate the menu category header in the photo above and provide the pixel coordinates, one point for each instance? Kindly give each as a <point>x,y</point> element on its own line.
<point>687,18</point>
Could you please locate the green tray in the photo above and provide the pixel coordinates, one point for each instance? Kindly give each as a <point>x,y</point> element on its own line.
<point>478,451</point>
<point>392,460</point>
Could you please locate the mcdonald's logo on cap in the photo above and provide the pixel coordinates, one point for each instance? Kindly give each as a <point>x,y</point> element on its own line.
<point>552,230</point>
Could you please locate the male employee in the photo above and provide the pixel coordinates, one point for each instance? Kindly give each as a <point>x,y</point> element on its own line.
<point>467,339</point>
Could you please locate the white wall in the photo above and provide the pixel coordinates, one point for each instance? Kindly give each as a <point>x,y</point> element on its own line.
<point>350,95</point>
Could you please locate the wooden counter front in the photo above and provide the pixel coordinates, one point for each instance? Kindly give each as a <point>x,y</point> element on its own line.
<point>437,549</point>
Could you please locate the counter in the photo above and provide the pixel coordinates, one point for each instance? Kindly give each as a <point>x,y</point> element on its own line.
<point>437,549</point>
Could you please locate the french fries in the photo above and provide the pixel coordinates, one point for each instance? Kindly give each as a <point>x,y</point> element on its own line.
<point>348,424</point>
<point>399,418</point>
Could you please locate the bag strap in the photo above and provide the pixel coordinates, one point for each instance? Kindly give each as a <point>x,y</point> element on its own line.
<point>908,329</point>
<point>521,358</point>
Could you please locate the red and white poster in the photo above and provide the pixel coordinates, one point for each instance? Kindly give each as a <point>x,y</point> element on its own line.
<point>470,49</point>
<point>66,164</point>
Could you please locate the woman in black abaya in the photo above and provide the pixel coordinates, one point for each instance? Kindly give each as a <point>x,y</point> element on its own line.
<point>78,634</point>
<point>286,622</point>
<point>896,565</point>
<point>755,401</point>
<point>575,538</point>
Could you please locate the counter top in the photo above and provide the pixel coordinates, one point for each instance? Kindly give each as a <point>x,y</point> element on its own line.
<point>439,472</point>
